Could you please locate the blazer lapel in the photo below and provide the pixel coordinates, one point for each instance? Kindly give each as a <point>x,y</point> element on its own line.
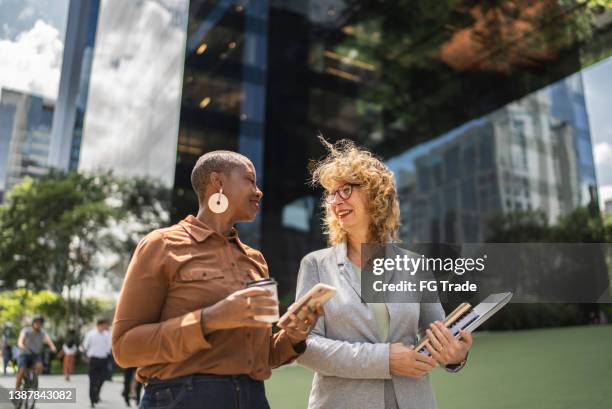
<point>345,269</point>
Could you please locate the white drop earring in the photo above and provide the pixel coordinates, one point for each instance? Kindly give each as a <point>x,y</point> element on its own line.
<point>217,202</point>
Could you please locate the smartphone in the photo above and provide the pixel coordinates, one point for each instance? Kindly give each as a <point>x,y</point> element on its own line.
<point>320,293</point>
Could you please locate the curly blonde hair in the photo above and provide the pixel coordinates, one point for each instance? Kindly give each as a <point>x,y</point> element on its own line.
<point>346,163</point>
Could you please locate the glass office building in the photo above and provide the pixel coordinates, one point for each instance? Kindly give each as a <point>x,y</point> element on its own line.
<point>25,134</point>
<point>79,42</point>
<point>41,125</point>
<point>479,109</point>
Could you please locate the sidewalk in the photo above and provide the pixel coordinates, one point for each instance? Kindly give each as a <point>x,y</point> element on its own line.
<point>4,397</point>
<point>110,397</point>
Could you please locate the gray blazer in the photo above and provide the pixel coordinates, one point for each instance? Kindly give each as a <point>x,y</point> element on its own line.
<point>344,349</point>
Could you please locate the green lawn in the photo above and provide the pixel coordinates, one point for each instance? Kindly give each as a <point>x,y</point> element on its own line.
<point>546,369</point>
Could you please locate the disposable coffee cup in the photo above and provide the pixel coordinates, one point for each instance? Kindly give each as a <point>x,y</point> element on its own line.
<point>271,285</point>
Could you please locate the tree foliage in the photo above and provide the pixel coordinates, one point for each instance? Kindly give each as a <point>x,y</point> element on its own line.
<point>63,230</point>
<point>440,64</point>
<point>17,308</point>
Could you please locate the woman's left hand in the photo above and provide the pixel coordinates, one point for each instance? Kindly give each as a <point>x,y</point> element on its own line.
<point>444,347</point>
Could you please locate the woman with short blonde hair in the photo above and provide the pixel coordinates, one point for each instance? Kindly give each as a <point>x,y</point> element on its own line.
<point>362,352</point>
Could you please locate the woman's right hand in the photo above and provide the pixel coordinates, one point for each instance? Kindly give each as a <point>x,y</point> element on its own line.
<point>239,310</point>
<point>405,361</point>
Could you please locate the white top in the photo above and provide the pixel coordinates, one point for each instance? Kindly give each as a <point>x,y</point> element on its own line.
<point>97,344</point>
<point>69,350</point>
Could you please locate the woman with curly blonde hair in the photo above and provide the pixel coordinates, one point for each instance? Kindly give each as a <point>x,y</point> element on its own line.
<point>362,352</point>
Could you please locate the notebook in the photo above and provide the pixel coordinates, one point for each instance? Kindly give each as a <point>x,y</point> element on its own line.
<point>467,318</point>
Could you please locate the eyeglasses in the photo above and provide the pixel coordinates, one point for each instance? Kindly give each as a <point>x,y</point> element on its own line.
<point>344,191</point>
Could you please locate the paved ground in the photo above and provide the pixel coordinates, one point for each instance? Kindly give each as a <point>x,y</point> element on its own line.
<point>110,398</point>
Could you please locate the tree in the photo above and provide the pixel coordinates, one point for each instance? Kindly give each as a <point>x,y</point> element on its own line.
<point>17,306</point>
<point>579,226</point>
<point>145,206</point>
<point>56,232</point>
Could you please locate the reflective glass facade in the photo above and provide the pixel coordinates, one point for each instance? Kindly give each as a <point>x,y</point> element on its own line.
<point>45,54</point>
<point>479,108</point>
<point>133,102</point>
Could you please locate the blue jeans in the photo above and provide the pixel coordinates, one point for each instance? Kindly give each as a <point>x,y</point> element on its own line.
<point>204,392</point>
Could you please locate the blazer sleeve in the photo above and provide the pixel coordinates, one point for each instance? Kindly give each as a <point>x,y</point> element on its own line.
<point>357,360</point>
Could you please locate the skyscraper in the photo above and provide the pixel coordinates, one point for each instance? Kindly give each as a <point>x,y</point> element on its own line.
<point>471,128</point>
<point>38,133</point>
<point>25,133</point>
<point>71,103</point>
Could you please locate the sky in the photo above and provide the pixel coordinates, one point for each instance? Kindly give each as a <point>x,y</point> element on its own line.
<point>134,57</point>
<point>17,16</point>
<point>31,44</point>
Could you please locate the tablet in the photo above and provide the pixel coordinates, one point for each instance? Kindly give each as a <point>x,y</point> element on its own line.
<point>320,293</point>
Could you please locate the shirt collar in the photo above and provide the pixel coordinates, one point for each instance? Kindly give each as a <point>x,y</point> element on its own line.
<point>200,231</point>
<point>196,228</point>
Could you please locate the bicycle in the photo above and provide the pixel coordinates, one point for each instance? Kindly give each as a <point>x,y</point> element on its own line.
<point>28,389</point>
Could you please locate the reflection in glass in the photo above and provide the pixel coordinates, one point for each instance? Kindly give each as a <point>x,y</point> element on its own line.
<point>478,108</point>
<point>525,156</point>
<point>224,92</point>
<point>132,117</point>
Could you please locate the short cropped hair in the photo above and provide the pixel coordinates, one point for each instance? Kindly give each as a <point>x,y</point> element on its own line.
<point>215,161</point>
<point>103,321</point>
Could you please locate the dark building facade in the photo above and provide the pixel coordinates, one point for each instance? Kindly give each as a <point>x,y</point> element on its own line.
<point>478,109</point>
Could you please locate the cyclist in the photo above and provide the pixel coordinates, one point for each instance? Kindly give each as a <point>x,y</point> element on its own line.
<point>30,343</point>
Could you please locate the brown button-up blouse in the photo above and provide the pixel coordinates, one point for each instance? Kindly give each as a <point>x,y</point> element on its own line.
<point>174,273</point>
